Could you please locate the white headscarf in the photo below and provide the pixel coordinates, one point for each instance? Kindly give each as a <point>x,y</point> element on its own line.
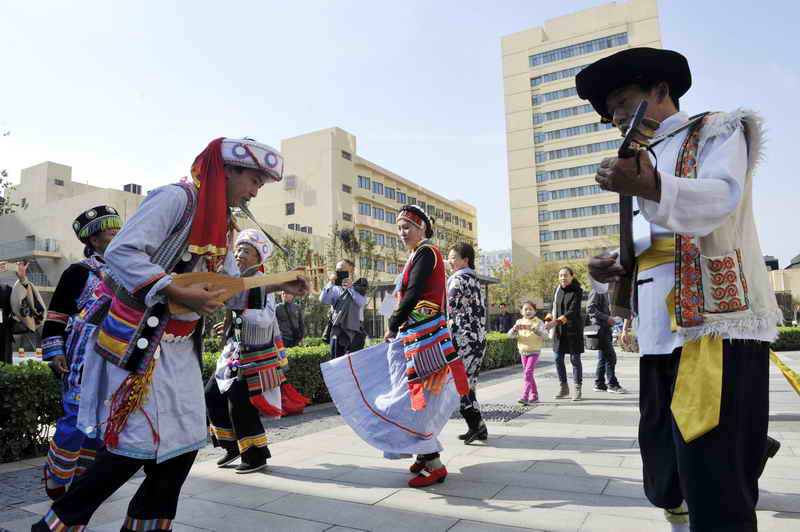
<point>258,240</point>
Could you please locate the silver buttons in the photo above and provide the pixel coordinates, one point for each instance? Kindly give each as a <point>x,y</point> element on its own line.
<point>238,321</point>
<point>186,257</point>
<point>142,343</point>
<point>152,321</point>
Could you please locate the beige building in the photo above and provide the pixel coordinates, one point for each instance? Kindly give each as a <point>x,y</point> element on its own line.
<point>40,231</point>
<point>554,139</point>
<point>329,186</point>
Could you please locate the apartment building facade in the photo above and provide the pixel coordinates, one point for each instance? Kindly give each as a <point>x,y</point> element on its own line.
<point>555,140</point>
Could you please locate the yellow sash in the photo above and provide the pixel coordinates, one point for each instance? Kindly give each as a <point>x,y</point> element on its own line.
<point>791,376</point>
<point>698,385</point>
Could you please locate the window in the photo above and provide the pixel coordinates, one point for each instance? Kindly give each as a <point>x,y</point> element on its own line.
<point>380,265</point>
<point>364,182</point>
<point>364,263</point>
<point>470,225</point>
<point>422,205</point>
<point>347,188</point>
<point>556,134</point>
<point>380,239</point>
<point>554,76</point>
<point>587,169</point>
<point>574,50</point>
<point>568,254</point>
<point>377,188</point>
<point>378,213</point>
<point>364,208</point>
<point>581,232</point>
<point>24,203</point>
<point>439,213</point>
<point>59,182</point>
<point>412,200</point>
<point>573,192</point>
<point>391,267</point>
<point>463,222</point>
<point>567,112</point>
<point>431,210</point>
<point>289,209</point>
<point>347,155</point>
<point>294,227</point>
<point>347,217</point>
<point>573,151</point>
<point>389,193</point>
<point>306,229</point>
<point>392,242</point>
<point>538,99</point>
<point>391,217</point>
<point>578,212</point>
<point>364,235</point>
<point>401,197</point>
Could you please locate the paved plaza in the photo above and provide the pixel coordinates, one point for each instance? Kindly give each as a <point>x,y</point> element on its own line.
<point>559,466</point>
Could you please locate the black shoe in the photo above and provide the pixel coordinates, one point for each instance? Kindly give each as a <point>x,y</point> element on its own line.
<point>245,468</point>
<point>230,456</point>
<point>463,436</point>
<point>481,433</point>
<point>772,449</point>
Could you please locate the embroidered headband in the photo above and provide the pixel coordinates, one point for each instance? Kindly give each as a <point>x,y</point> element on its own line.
<point>248,153</point>
<point>418,218</point>
<point>95,220</point>
<point>258,240</point>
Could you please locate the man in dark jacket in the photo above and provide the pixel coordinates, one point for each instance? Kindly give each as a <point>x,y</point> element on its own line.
<point>503,321</point>
<point>600,316</point>
<point>290,321</point>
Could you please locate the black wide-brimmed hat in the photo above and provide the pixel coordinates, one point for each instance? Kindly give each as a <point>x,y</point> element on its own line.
<point>634,65</point>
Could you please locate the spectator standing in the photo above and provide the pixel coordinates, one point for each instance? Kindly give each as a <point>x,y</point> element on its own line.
<point>600,316</point>
<point>290,321</point>
<point>345,330</point>
<point>503,321</point>
<point>567,323</point>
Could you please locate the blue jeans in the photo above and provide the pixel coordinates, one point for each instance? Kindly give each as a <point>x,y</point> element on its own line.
<point>606,362</point>
<point>577,368</point>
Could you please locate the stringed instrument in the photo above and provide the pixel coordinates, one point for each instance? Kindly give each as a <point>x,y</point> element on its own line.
<point>638,136</point>
<point>231,285</point>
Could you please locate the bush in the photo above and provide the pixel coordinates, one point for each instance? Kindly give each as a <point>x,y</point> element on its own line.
<point>788,339</point>
<point>501,351</point>
<point>312,341</point>
<point>30,403</point>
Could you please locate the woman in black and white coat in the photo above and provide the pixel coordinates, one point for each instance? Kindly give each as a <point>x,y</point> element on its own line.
<point>466,316</point>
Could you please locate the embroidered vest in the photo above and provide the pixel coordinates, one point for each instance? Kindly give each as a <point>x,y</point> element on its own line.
<point>131,331</point>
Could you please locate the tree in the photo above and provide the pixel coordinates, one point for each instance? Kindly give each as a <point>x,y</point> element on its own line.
<point>7,206</point>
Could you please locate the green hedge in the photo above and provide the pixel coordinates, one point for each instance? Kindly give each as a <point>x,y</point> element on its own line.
<point>788,339</point>
<point>30,403</point>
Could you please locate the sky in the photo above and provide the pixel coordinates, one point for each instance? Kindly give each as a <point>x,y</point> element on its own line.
<point>130,92</point>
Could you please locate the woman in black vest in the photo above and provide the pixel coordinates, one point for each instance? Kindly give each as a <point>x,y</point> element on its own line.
<point>567,322</point>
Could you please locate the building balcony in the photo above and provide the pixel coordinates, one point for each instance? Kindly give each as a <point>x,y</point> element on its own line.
<point>30,249</point>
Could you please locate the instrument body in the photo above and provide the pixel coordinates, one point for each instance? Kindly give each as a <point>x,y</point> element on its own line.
<point>231,285</point>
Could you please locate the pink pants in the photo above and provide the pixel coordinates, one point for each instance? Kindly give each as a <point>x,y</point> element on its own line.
<point>529,391</point>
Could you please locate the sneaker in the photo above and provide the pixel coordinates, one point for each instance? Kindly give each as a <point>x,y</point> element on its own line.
<point>230,456</point>
<point>522,401</point>
<point>245,468</point>
<point>600,388</point>
<point>617,389</point>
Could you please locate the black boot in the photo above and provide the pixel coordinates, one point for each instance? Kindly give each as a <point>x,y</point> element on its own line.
<point>230,456</point>
<point>771,450</point>
<point>477,428</point>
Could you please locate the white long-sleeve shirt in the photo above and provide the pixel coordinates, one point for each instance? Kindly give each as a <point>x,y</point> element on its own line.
<point>689,207</point>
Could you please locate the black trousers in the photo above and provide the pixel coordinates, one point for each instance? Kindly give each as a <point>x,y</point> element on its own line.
<point>606,362</point>
<point>577,368</point>
<point>235,422</point>
<point>716,474</point>
<point>156,498</point>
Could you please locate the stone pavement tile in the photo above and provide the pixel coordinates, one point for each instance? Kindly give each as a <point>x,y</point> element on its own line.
<point>600,459</point>
<point>777,501</point>
<point>528,479</point>
<point>778,522</point>
<point>512,441</point>
<point>603,523</point>
<point>223,518</point>
<point>495,512</point>
<point>343,529</point>
<point>474,526</point>
<point>625,488</point>
<point>579,470</point>
<point>243,496</point>
<point>124,492</point>
<point>598,443</point>
<point>359,516</point>
<point>13,514</point>
<point>547,499</point>
<point>489,465</point>
<point>632,462</point>
<point>14,466</point>
<point>22,524</point>
<point>454,485</point>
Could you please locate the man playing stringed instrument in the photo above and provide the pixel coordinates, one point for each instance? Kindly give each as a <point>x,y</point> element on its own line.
<point>701,298</point>
<point>142,390</point>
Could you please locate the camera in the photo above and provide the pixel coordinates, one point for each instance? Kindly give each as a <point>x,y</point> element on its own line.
<point>341,276</point>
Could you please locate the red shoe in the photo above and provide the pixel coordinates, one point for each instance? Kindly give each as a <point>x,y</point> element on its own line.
<point>416,467</point>
<point>428,477</point>
<point>53,493</point>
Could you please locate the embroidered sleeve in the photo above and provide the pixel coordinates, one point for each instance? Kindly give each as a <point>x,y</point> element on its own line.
<point>128,255</point>
<point>696,207</point>
<point>421,270</point>
<point>63,305</point>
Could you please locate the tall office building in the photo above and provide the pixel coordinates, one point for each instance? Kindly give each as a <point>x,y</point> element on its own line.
<point>329,185</point>
<point>554,139</point>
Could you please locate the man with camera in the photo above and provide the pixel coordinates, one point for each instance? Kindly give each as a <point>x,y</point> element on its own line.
<point>344,332</point>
